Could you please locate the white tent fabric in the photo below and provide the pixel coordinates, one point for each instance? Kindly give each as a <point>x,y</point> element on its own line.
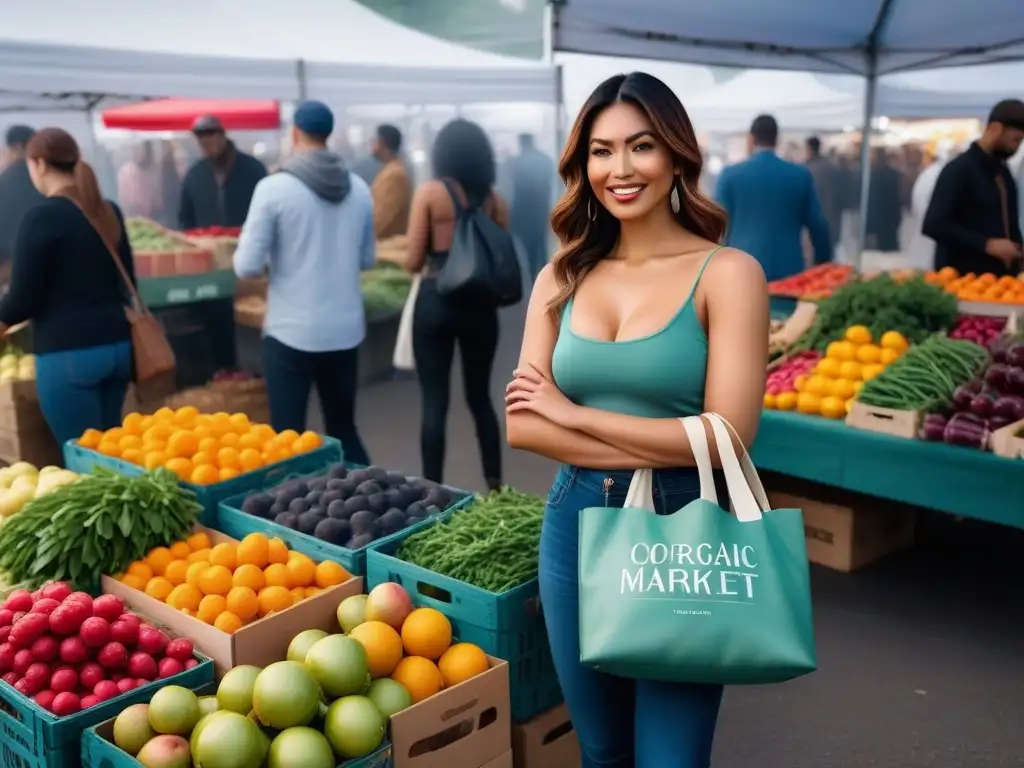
<point>822,36</point>
<point>222,48</point>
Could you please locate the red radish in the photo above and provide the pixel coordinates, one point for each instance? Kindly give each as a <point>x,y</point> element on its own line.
<point>181,649</point>
<point>6,658</point>
<point>6,617</point>
<point>142,665</point>
<point>191,663</point>
<point>113,656</point>
<point>66,704</point>
<point>107,607</point>
<point>10,677</point>
<point>38,675</point>
<point>90,674</point>
<point>58,590</point>
<point>63,679</point>
<point>106,690</point>
<point>130,617</point>
<point>71,615</point>
<point>125,632</point>
<point>22,661</point>
<point>45,648</point>
<point>73,650</point>
<point>45,606</point>
<point>169,667</point>
<point>45,699</point>
<point>126,685</point>
<point>19,600</point>
<point>95,632</point>
<point>18,616</point>
<point>152,640</point>
<point>5,633</point>
<point>25,688</point>
<point>118,677</point>
<point>89,701</point>
<point>28,629</point>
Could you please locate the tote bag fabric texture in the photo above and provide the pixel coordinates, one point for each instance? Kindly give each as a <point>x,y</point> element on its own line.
<point>702,595</point>
<point>403,358</point>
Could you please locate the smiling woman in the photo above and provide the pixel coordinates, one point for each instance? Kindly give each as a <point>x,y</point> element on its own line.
<point>641,319</point>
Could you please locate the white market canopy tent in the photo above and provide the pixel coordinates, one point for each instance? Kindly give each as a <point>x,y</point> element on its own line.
<point>338,51</point>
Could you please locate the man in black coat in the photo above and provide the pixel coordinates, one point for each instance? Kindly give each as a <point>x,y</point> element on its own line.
<point>17,195</point>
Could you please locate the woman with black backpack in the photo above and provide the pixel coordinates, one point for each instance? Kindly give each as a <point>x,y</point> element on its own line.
<point>464,172</point>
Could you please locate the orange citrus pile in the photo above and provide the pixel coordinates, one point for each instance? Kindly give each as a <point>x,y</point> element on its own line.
<point>232,584</point>
<point>201,448</point>
<point>985,287</point>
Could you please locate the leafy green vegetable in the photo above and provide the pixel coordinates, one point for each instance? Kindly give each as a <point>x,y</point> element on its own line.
<point>385,288</point>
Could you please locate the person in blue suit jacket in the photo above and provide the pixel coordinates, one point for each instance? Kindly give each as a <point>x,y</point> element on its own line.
<point>770,202</point>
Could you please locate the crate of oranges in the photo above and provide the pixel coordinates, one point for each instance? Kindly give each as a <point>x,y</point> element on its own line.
<point>217,591</point>
<point>217,455</point>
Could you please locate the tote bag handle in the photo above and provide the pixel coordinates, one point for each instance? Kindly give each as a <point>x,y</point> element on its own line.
<point>746,492</point>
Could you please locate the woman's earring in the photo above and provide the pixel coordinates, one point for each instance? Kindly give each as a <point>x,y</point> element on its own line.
<point>674,199</point>
<point>591,210</point>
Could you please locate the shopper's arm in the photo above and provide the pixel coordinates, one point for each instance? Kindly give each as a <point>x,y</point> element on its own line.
<point>28,270</point>
<point>816,223</point>
<point>418,236</point>
<point>256,243</point>
<point>528,431</point>
<point>941,222</point>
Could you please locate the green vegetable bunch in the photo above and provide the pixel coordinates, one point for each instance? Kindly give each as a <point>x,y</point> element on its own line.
<point>97,525</point>
<point>491,544</point>
<point>925,376</point>
<point>914,308</point>
<point>385,288</point>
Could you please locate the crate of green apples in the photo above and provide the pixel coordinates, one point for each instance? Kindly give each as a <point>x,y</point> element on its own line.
<point>160,252</point>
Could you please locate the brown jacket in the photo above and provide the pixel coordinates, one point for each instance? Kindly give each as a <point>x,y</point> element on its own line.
<point>392,198</point>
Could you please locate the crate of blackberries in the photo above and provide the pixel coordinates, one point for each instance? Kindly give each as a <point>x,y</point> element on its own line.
<point>339,512</point>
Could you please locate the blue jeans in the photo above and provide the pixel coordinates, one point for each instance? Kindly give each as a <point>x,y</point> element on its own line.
<point>620,723</point>
<point>82,389</point>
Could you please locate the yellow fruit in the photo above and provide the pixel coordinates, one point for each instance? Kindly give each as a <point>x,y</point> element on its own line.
<point>850,370</point>
<point>254,549</point>
<point>134,582</point>
<point>199,556</point>
<point>228,623</point>
<point>228,473</point>
<point>889,356</point>
<point>833,408</point>
<point>164,414</point>
<point>298,595</point>
<point>274,599</point>
<point>419,676</point>
<point>817,385</point>
<point>180,550</point>
<point>195,570</point>
<point>895,341</point>
<point>244,603</point>
<point>215,580</point>
<point>330,574</point>
<point>849,406</point>
<point>198,541</point>
<point>461,662</point>
<point>158,559</point>
<point>182,445</point>
<point>858,334</point>
<point>868,372</point>
<point>426,632</point>
<point>185,597</point>
<point>140,570</point>
<point>786,401</point>
<point>278,551</point>
<point>249,576</point>
<point>224,555</point>
<point>181,467</point>
<point>383,646</point>
<point>843,389</point>
<point>769,401</point>
<point>800,382</point>
<point>277,575</point>
<point>210,607</point>
<point>808,403</point>
<point>828,366</point>
<point>90,438</point>
<point>841,350</point>
<point>176,571</point>
<point>869,354</point>
<point>301,571</point>
<point>159,588</point>
<point>857,386</point>
<point>204,473</point>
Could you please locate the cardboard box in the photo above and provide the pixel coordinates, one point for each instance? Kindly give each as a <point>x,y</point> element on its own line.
<point>467,726</point>
<point>1004,442</point>
<point>37,446</point>
<point>547,741</point>
<point>505,761</point>
<point>260,643</point>
<point>847,536</point>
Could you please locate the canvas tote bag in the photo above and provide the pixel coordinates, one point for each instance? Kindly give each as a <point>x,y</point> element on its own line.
<point>403,358</point>
<point>152,355</point>
<point>702,595</point>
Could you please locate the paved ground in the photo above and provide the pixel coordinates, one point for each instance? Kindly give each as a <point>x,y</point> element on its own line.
<point>921,656</point>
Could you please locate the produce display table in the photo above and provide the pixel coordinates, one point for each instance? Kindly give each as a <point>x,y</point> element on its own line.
<point>959,481</point>
<point>162,292</point>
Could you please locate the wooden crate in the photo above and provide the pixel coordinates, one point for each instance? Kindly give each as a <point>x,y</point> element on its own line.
<point>886,421</point>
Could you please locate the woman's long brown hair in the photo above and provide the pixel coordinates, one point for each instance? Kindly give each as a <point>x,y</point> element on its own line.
<point>586,241</point>
<point>59,150</point>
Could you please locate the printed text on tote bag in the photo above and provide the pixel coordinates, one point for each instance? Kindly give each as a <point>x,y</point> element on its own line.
<point>722,572</point>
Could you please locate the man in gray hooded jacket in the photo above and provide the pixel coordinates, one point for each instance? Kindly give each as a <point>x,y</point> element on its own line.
<point>310,229</point>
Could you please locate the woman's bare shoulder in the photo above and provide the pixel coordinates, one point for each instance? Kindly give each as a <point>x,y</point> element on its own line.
<point>733,269</point>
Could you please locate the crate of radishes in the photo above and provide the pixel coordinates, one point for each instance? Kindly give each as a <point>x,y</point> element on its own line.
<point>977,328</point>
<point>68,662</point>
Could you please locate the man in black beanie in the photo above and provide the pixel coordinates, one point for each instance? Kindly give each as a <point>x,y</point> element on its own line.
<point>17,195</point>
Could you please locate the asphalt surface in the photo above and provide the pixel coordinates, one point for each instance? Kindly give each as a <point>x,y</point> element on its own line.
<point>921,655</point>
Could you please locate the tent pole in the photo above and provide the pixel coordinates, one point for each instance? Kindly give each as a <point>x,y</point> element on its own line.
<point>870,90</point>
<point>551,12</point>
<point>300,76</point>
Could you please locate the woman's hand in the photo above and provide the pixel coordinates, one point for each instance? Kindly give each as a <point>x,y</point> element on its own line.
<point>531,390</point>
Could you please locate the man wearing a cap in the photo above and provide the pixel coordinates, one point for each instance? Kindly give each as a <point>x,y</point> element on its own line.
<point>217,189</point>
<point>972,214</point>
<point>17,195</point>
<point>311,228</point>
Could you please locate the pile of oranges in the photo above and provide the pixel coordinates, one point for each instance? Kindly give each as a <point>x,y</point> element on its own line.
<point>200,448</point>
<point>229,585</point>
<point>984,288</point>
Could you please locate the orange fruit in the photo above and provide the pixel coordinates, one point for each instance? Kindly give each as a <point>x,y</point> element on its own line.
<point>249,440</point>
<point>273,455</point>
<point>182,444</point>
<point>194,572</point>
<point>278,551</point>
<point>197,541</point>
<point>202,432</point>
<point>140,570</point>
<point>181,467</point>
<point>129,441</point>
<point>254,549</point>
<point>330,574</point>
<point>108,448</point>
<point>159,432</point>
<point>158,559</point>
<point>239,422</point>
<point>199,556</point>
<point>132,456</point>
<point>274,599</point>
<point>224,555</point>
<point>312,592</point>
<point>132,423</point>
<point>205,457</point>
<point>134,582</point>
<point>228,473</point>
<point>176,572</point>
<point>250,459</point>
<point>426,632</point>
<point>244,603</point>
<point>205,474</point>
<point>113,435</point>
<point>164,414</point>
<point>210,607</point>
<point>215,580</point>
<point>248,575</point>
<point>229,440</point>
<point>159,588</point>
<point>90,438</point>
<point>154,459</point>
<point>228,623</point>
<point>277,575</point>
<point>209,445</point>
<point>180,550</point>
<point>461,662</point>
<point>302,571</point>
<point>228,457</point>
<point>419,676</point>
<point>185,597</point>
<point>383,646</point>
<point>264,432</point>
<point>186,416</point>
<point>298,595</point>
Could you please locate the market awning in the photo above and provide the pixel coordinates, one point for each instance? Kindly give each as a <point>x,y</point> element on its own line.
<point>179,114</point>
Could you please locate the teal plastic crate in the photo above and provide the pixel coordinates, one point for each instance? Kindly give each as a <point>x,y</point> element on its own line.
<point>98,752</point>
<point>84,461</point>
<point>232,521</point>
<point>35,738</point>
<point>508,626</point>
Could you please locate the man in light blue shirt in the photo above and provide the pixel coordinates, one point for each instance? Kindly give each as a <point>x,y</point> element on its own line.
<point>310,229</point>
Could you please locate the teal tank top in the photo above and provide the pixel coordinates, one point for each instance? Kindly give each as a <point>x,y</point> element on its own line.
<point>656,376</point>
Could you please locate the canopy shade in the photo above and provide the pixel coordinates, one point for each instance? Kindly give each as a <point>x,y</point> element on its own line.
<point>179,114</point>
<point>813,35</point>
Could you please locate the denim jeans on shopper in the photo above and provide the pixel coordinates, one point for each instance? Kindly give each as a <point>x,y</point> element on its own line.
<point>82,389</point>
<point>620,723</point>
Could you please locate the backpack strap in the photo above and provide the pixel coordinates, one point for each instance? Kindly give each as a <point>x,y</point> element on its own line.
<point>456,194</point>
